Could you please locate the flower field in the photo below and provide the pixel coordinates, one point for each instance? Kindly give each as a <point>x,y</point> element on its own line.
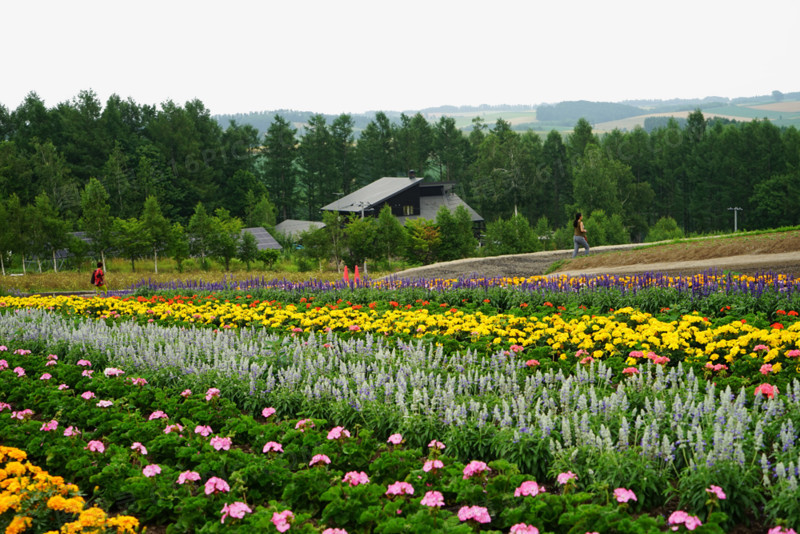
<point>635,404</point>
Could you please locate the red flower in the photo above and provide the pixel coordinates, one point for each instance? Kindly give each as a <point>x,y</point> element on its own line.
<point>776,326</point>
<point>780,312</point>
<point>793,313</point>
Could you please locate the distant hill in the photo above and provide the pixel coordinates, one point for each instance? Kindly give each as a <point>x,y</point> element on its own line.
<point>783,109</point>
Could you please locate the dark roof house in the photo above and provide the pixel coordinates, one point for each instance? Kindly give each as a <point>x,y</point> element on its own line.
<point>409,198</point>
<point>293,227</point>
<point>264,240</point>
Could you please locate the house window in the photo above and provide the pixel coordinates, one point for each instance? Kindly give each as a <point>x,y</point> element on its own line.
<point>408,210</point>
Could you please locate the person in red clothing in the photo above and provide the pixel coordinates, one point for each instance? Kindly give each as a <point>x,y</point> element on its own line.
<point>99,279</point>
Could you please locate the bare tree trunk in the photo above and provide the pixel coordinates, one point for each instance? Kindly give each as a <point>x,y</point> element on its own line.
<point>55,265</point>
<point>155,259</point>
<point>2,264</point>
<point>23,265</point>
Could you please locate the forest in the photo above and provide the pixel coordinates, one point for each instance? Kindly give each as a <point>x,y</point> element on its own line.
<point>178,157</point>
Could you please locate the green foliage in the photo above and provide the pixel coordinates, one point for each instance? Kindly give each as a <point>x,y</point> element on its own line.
<point>512,236</point>
<point>665,229</point>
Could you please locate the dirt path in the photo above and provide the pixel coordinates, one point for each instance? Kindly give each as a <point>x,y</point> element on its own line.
<point>747,254</point>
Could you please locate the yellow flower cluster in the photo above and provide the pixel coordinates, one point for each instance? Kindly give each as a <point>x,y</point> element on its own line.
<point>32,493</point>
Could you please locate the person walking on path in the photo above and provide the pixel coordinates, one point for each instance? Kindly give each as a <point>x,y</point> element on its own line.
<point>579,235</point>
<point>99,279</point>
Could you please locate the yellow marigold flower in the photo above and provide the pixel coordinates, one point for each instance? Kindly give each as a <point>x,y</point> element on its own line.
<point>17,454</point>
<point>93,517</point>
<point>123,524</point>
<point>15,469</point>
<point>8,502</point>
<point>19,524</point>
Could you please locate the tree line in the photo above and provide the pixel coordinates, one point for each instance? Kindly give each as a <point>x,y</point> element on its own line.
<point>181,157</point>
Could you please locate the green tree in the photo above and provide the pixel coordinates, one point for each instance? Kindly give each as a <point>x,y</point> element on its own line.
<point>316,163</point>
<point>226,236</point>
<point>201,233</point>
<point>178,245</point>
<point>344,157</point>
<point>360,237</point>
<point>596,182</point>
<point>666,228</point>
<point>156,228</point>
<point>15,173</point>
<point>457,238</point>
<point>558,185</point>
<point>604,229</point>
<point>413,143</point>
<point>52,174</point>
<point>17,225</point>
<point>248,249</point>
<point>511,236</point>
<point>777,200</point>
<point>280,148</point>
<point>423,240</point>
<point>579,139</point>
<point>6,237</point>
<point>260,212</point>
<point>130,238</point>
<point>96,218</point>
<point>376,151</point>
<point>48,230</point>
<point>116,181</point>
<point>390,235</point>
<point>450,150</point>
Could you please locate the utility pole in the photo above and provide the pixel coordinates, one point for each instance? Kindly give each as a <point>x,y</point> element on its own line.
<point>735,213</point>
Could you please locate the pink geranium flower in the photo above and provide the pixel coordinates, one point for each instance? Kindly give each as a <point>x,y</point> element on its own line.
<point>475,467</point>
<point>151,470</point>
<point>113,371</point>
<point>158,414</point>
<point>436,445</point>
<point>319,458</point>
<point>95,446</point>
<point>432,464</point>
<point>337,432</point>
<point>22,352</point>
<point>138,447</point>
<point>303,424</point>
<point>87,395</point>
<point>528,489</point>
<point>71,431</point>
<point>266,412</point>
<point>395,439</point>
<point>334,531</point>
<point>794,353</point>
<point>138,381</point>
<point>186,393</point>
<point>630,371</point>
<point>62,387</point>
<point>781,530</point>
<point>477,513</point>
<point>433,499</point>
<point>221,444</point>
<point>717,491</point>
<point>22,414</point>
<point>87,372</point>
<point>624,495</point>
<point>563,478</point>
<point>236,509</point>
<point>47,427</point>
<point>281,520</point>
<point>177,427</point>
<point>188,476</point>
<point>532,363</point>
<point>84,363</point>
<point>203,430</point>
<point>400,488</point>
<point>3,365</point>
<point>4,406</point>
<point>46,376</point>
<point>765,369</point>
<point>20,371</point>
<point>522,528</point>
<point>105,403</point>
<point>51,363</point>
<point>355,478</point>
<point>680,517</point>
<point>216,485</point>
<point>212,393</point>
<point>272,446</point>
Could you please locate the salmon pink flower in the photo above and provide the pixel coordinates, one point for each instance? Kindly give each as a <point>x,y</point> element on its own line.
<point>794,353</point>
<point>216,485</point>
<point>768,390</point>
<point>151,470</point>
<point>532,363</point>
<point>395,439</point>
<point>765,369</point>
<point>760,347</point>
<point>281,520</point>
<point>400,488</point>
<point>433,499</point>
<point>630,371</point>
<point>236,509</point>
<point>272,446</point>
<point>517,348</point>
<point>188,476</point>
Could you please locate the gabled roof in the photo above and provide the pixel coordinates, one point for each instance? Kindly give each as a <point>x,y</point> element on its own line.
<point>429,206</point>
<point>264,240</point>
<point>294,227</point>
<point>371,195</point>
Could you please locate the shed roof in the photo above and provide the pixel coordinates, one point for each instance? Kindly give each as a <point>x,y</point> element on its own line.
<point>264,240</point>
<point>294,227</point>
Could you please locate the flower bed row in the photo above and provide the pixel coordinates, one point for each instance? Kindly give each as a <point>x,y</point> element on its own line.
<point>654,429</point>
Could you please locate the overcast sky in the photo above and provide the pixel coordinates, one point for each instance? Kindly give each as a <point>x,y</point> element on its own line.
<point>351,56</point>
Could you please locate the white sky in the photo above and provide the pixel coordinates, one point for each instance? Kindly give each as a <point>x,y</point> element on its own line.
<point>351,56</point>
